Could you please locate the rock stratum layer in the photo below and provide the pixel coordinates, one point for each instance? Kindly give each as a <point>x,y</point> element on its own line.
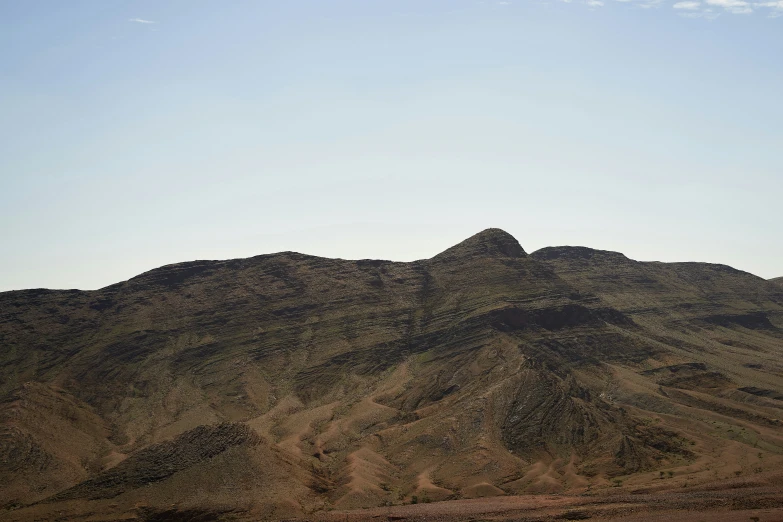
<point>284,385</point>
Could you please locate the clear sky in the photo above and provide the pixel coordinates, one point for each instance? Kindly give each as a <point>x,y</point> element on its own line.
<point>139,133</point>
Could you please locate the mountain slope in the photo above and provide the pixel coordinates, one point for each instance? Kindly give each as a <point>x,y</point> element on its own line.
<point>482,371</point>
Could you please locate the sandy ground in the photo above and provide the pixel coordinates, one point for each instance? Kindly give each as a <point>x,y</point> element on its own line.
<point>751,504</point>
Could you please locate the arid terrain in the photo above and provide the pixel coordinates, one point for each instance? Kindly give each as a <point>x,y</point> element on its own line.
<point>484,383</point>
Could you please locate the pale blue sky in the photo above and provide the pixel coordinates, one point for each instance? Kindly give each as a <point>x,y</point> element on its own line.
<point>384,129</point>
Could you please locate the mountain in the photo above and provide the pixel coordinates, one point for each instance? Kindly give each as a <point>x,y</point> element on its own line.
<point>288,385</point>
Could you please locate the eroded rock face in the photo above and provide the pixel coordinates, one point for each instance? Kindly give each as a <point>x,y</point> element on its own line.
<point>285,383</point>
<point>160,461</point>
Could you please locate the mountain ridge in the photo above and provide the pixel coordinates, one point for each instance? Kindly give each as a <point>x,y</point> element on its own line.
<point>483,238</point>
<point>481,371</point>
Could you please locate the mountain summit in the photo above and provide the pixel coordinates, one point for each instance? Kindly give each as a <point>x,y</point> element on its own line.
<point>489,242</point>
<point>287,385</point>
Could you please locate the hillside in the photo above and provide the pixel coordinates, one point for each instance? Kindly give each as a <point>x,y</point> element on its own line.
<point>284,385</point>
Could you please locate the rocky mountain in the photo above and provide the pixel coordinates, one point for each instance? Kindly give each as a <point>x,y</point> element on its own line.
<point>283,385</point>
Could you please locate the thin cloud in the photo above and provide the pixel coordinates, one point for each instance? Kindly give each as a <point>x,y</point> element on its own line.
<point>733,6</point>
<point>708,9</point>
<point>688,6</point>
<point>141,21</point>
<point>776,8</point>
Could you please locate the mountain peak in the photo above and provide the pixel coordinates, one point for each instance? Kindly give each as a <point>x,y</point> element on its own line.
<point>492,242</point>
<point>577,252</point>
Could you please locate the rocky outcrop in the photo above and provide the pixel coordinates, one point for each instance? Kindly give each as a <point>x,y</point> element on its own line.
<point>160,461</point>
